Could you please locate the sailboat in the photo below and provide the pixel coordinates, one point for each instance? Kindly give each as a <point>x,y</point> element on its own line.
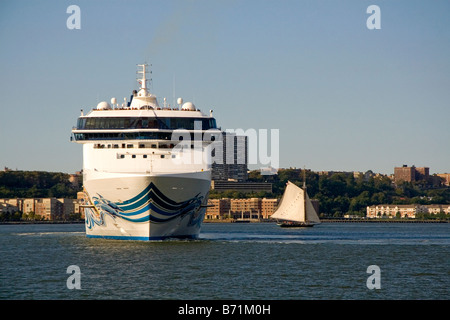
<point>295,209</point>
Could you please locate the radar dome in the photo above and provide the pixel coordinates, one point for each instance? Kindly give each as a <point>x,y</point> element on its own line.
<point>103,106</point>
<point>188,106</point>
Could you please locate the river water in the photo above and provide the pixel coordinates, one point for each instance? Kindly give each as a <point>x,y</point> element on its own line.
<point>230,261</point>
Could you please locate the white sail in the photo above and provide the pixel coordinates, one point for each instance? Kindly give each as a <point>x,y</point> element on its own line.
<point>292,206</point>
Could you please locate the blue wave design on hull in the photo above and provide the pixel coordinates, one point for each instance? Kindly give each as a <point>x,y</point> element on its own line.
<point>149,205</point>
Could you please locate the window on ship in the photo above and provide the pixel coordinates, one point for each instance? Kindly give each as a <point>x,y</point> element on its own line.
<point>146,123</point>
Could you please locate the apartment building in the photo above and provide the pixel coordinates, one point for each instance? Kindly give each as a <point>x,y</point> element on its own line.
<point>45,208</point>
<point>268,207</point>
<point>230,158</point>
<point>218,208</point>
<point>404,211</point>
<point>252,208</point>
<point>410,174</point>
<point>445,178</point>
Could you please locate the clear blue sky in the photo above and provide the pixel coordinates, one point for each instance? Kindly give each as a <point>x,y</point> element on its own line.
<point>343,97</point>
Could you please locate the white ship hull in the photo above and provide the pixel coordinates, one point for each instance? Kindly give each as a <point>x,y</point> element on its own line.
<point>145,207</point>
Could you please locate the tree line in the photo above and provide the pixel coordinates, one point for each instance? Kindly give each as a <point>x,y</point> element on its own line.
<point>37,184</point>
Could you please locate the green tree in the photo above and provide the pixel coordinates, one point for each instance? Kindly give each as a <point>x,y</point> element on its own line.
<point>378,198</point>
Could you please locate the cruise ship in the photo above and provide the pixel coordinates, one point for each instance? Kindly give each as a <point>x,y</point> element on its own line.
<point>146,167</point>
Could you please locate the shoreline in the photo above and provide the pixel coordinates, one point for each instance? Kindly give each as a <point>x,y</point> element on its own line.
<point>330,221</point>
<point>248,221</point>
<point>40,222</point>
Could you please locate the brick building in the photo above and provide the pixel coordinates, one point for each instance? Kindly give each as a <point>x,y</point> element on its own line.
<point>252,208</point>
<point>445,178</point>
<point>44,208</point>
<point>411,174</point>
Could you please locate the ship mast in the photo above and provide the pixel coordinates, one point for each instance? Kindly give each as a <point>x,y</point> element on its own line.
<point>143,81</point>
<point>143,98</point>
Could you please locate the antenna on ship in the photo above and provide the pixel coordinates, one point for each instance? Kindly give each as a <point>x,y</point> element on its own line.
<point>143,80</point>
<point>173,90</point>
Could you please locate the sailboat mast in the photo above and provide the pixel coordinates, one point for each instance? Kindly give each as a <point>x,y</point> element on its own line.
<point>304,178</point>
<point>304,194</point>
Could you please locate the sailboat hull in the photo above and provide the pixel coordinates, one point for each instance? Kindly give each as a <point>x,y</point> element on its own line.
<point>296,224</point>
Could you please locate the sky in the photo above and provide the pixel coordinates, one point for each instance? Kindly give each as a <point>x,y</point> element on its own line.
<point>343,97</point>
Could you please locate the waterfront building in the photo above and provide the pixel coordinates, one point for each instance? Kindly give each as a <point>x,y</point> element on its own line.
<point>7,208</point>
<point>437,208</point>
<point>252,208</point>
<point>246,208</point>
<point>404,211</point>
<point>218,208</point>
<point>43,208</point>
<point>48,208</point>
<point>11,205</point>
<point>81,201</point>
<point>268,207</point>
<point>28,205</point>
<point>392,211</point>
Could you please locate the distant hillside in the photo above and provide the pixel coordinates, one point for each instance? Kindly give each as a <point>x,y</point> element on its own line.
<point>37,184</point>
<point>338,193</point>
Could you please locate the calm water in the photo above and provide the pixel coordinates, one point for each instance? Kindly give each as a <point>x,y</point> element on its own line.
<point>230,261</point>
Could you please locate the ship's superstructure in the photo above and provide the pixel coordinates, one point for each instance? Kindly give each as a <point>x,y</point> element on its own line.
<point>146,168</point>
